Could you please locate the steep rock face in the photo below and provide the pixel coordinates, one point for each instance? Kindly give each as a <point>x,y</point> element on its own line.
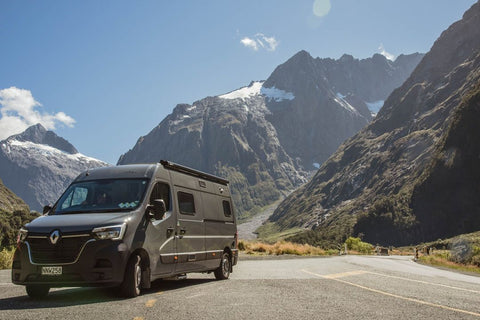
<point>266,137</point>
<point>311,127</point>
<point>9,201</point>
<point>228,137</point>
<point>375,184</point>
<point>446,201</point>
<point>38,165</point>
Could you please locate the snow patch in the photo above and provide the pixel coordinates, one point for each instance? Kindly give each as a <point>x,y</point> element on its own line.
<point>245,92</point>
<point>276,94</point>
<point>49,151</point>
<point>6,147</point>
<point>256,89</point>
<point>190,109</point>
<point>345,104</point>
<point>375,106</point>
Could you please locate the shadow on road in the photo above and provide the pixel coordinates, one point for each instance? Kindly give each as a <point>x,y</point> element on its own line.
<point>82,296</point>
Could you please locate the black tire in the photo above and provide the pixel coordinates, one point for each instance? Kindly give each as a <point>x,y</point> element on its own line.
<point>132,281</point>
<point>223,271</point>
<point>37,291</point>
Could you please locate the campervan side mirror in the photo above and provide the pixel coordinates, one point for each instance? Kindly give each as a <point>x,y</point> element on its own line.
<point>157,209</point>
<point>46,209</point>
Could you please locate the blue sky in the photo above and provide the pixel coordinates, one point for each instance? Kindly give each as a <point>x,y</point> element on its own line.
<point>103,73</point>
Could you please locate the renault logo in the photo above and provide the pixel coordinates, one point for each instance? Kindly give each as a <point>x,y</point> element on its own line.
<point>54,236</point>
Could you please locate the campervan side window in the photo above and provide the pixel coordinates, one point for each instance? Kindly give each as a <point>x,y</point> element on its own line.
<point>161,191</point>
<point>186,203</point>
<point>227,210</point>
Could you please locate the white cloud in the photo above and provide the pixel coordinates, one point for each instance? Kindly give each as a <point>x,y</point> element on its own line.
<point>249,43</point>
<point>260,41</point>
<point>384,53</point>
<point>17,109</point>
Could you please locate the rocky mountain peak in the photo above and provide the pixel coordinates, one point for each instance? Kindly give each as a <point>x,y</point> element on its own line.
<point>38,134</point>
<point>346,58</point>
<point>412,174</point>
<point>268,136</point>
<point>38,165</point>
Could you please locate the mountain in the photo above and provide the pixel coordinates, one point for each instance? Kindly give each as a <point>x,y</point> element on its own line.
<point>412,174</point>
<point>14,213</point>
<point>267,137</point>
<point>38,165</point>
<point>312,126</point>
<point>9,201</point>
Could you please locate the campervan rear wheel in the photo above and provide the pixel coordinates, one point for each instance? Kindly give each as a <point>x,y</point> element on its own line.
<point>37,291</point>
<point>223,271</point>
<point>132,282</point>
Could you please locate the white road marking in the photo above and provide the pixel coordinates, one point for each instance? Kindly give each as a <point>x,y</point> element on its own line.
<point>391,294</point>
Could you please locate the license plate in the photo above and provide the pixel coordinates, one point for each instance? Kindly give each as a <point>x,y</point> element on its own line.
<point>51,271</point>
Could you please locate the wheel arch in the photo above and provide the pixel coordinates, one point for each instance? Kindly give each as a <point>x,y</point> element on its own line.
<point>144,264</point>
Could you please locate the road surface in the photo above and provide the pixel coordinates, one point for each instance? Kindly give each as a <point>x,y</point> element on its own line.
<point>346,287</point>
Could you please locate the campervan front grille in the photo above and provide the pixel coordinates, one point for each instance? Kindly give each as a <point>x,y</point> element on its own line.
<point>66,250</point>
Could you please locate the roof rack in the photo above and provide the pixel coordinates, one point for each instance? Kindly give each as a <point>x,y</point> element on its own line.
<point>192,172</point>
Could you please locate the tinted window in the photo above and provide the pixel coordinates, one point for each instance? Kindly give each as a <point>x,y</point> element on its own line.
<point>186,203</point>
<point>110,195</point>
<point>76,196</point>
<point>161,191</point>
<point>227,210</point>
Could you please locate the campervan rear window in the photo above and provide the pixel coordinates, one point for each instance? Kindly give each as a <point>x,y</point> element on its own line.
<point>186,203</point>
<point>227,210</point>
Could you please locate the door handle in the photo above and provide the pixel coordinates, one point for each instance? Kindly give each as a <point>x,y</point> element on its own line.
<point>170,231</point>
<point>181,232</point>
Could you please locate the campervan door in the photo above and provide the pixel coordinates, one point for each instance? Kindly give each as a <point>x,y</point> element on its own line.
<point>219,220</point>
<point>160,234</point>
<point>190,229</point>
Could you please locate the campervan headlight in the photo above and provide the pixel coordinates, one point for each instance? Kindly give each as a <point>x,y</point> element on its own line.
<point>22,235</point>
<point>110,232</point>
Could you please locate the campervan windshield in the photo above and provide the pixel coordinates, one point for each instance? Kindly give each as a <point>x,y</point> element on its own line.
<point>112,195</point>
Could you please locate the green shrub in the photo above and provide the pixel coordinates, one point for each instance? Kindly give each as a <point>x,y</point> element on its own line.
<point>355,244</point>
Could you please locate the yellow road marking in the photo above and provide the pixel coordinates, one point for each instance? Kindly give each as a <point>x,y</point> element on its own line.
<point>138,318</point>
<point>394,295</point>
<point>150,303</point>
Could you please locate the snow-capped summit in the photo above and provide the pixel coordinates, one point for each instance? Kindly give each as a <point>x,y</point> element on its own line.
<point>38,165</point>
<point>256,88</point>
<point>268,136</point>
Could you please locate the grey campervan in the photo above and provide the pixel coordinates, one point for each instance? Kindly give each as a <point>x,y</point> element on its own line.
<point>126,226</point>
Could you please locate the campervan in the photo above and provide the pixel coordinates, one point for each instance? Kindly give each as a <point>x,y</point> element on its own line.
<point>125,226</point>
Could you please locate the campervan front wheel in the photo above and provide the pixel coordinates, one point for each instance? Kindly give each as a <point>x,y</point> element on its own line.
<point>223,271</point>
<point>133,278</point>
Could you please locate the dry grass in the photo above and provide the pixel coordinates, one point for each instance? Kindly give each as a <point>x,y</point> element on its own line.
<point>6,258</point>
<point>401,252</point>
<point>441,259</point>
<point>281,248</point>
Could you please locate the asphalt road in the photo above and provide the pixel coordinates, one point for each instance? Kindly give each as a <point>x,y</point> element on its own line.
<point>347,287</point>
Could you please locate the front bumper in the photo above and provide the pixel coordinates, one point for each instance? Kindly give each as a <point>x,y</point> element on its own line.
<point>99,263</point>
